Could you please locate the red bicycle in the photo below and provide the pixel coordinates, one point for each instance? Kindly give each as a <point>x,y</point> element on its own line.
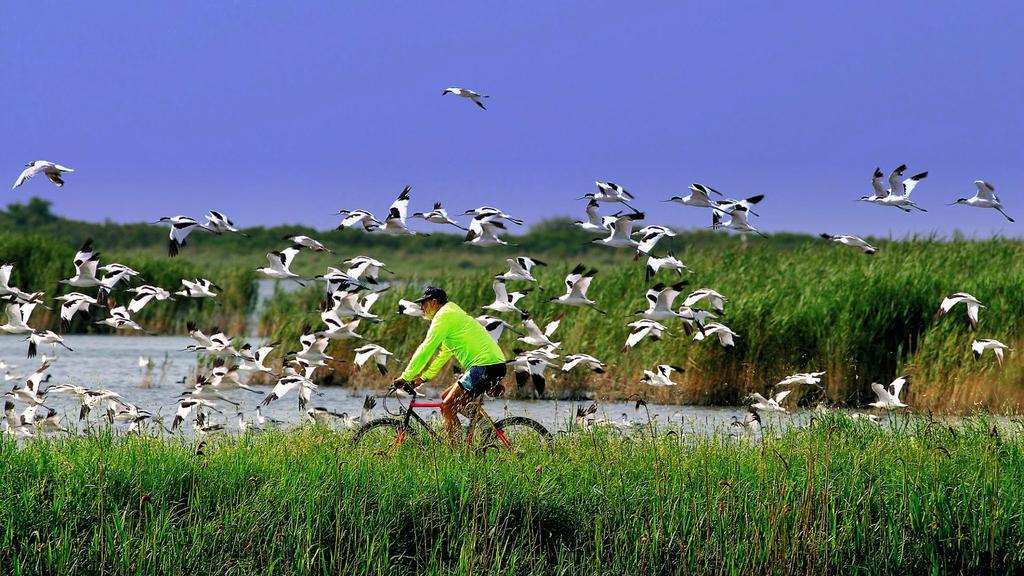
<point>513,432</point>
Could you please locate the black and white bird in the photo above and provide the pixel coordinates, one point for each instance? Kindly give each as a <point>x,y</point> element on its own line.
<point>751,422</point>
<point>198,288</point>
<point>537,338</point>
<point>667,262</point>
<point>699,197</point>
<point>853,241</point>
<point>17,318</point>
<point>394,223</point>
<point>6,269</point>
<point>367,270</point>
<point>484,230</point>
<point>337,328</point>
<point>217,344</point>
<point>649,237</point>
<point>573,360</point>
<point>888,398</point>
<point>121,319</point>
<point>438,216</point>
<point>641,329</point>
<point>181,227</point>
<point>773,404</point>
<point>973,307</point>
<point>491,213</point>
<point>187,405</point>
<point>660,376</point>
<point>224,378</point>
<point>577,283</point>
<point>594,221</point>
<point>409,308</point>
<point>808,378</point>
<point>42,337</point>
<point>73,303</point>
<point>729,204</point>
<point>219,223</point>
<point>255,360</point>
<point>52,171</point>
<point>532,367</point>
<point>353,218</point>
<point>659,301</point>
<point>998,348</point>
<point>466,93</point>
<point>313,348</point>
<point>737,221</point>
<point>505,301</point>
<point>724,333</point>
<point>519,268</point>
<point>620,230</point>
<point>610,192</point>
<point>377,353</point>
<point>308,243</point>
<point>898,193</point>
<point>280,263</point>
<point>985,197</point>
<point>713,298</point>
<point>321,416</point>
<point>495,327</point>
<point>144,294</point>
<point>292,380</point>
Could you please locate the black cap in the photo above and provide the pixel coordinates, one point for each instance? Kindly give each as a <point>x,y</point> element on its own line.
<point>433,293</point>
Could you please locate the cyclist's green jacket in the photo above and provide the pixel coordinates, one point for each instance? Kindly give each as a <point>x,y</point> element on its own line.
<point>453,332</point>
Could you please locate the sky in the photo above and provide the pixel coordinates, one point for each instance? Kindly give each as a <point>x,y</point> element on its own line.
<point>285,112</point>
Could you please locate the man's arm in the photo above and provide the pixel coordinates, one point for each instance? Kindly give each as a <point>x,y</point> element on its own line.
<point>442,358</point>
<point>435,335</point>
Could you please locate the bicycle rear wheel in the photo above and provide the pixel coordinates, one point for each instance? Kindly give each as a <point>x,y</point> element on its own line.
<point>518,433</point>
<point>381,435</point>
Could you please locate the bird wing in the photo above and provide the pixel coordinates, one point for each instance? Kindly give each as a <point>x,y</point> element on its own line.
<point>910,183</point>
<point>551,327</point>
<point>895,185</point>
<point>500,293</point>
<point>880,391</point>
<point>876,182</point>
<point>986,191</point>
<point>897,386</point>
<point>782,396</point>
<point>400,206</point>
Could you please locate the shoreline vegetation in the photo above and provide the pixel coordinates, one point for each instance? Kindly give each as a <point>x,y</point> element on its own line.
<point>914,496</point>
<point>798,303</point>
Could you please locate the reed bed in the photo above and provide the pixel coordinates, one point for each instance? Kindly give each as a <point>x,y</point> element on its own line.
<point>814,306</point>
<point>916,496</point>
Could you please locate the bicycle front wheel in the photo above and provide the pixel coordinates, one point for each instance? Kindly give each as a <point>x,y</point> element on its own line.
<point>381,435</point>
<point>519,433</point>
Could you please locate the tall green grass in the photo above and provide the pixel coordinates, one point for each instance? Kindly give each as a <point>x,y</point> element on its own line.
<point>916,497</point>
<point>42,262</point>
<point>861,318</point>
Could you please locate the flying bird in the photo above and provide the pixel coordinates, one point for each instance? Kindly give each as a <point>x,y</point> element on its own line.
<point>181,227</point>
<point>973,306</point>
<point>997,348</point>
<point>51,170</point>
<point>466,93</point>
<point>853,241</point>
<point>438,216</point>
<point>985,197</point>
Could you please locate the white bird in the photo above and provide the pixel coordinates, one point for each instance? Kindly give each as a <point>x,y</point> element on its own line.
<point>366,269</point>
<point>85,263</point>
<point>610,192</point>
<point>484,230</point>
<point>181,227</point>
<point>17,318</point>
<point>6,268</point>
<point>577,283</point>
<point>737,221</point>
<point>898,194</point>
<point>359,217</point>
<point>314,346</point>
<point>699,197</point>
<point>121,319</point>
<point>714,299</point>
<point>288,383</point>
<point>644,329</point>
<point>973,306</point>
<point>30,391</point>
<point>465,93</point>
<point>773,404</point>
<point>729,204</point>
<point>659,301</point>
<point>495,326</point>
<point>143,295</point>
<point>650,235</point>
<point>505,301</point>
<point>535,337</point>
<point>344,304</point>
<point>519,269</point>
<point>594,221</point>
<point>225,378</point>
<point>198,288</point>
<point>985,197</point>
<point>262,420</point>
<point>573,360</point>
<point>620,230</point>
<point>254,360</point>
<point>997,348</point>
<point>307,243</point>
<point>854,241</point>
<point>661,376</point>
<point>40,338</point>
<point>491,213</point>
<point>378,354</point>
<point>338,280</point>
<point>280,265</point>
<point>751,422</point>
<point>809,378</point>
<point>395,224</point>
<point>185,407</point>
<point>889,398</point>
<point>668,262</point>
<point>532,367</point>
<point>337,329</point>
<point>438,216</point>
<point>725,335</point>
<point>51,170</point>
<point>409,308</point>
<point>322,416</point>
<point>219,223</point>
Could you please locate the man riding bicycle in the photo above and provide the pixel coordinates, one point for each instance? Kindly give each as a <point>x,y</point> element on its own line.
<point>453,332</point>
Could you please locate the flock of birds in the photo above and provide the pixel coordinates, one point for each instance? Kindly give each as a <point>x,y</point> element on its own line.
<point>351,293</point>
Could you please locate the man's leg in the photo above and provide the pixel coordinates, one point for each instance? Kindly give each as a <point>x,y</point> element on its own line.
<point>451,400</point>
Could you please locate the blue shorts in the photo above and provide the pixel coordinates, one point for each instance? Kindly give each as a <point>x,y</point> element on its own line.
<point>480,379</point>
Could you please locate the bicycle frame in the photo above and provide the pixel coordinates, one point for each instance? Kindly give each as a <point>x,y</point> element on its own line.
<point>480,414</point>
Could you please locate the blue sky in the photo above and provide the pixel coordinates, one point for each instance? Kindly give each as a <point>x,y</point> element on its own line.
<point>285,112</point>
